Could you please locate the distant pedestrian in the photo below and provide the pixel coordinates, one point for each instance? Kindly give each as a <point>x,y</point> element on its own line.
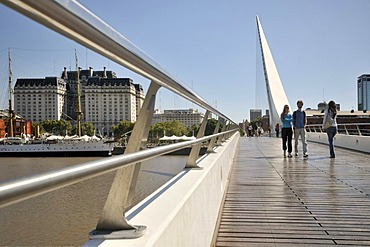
<point>269,130</point>
<point>286,130</point>
<point>250,128</point>
<point>259,130</point>
<point>299,125</point>
<point>277,130</point>
<point>330,124</point>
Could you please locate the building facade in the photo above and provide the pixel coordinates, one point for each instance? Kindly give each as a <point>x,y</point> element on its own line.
<point>363,92</point>
<point>105,99</point>
<point>323,105</point>
<point>254,114</point>
<point>40,99</point>
<point>188,117</point>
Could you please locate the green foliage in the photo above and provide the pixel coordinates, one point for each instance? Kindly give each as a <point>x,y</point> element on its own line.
<point>210,127</point>
<point>122,128</point>
<point>193,130</point>
<point>160,129</point>
<point>241,132</point>
<point>256,123</point>
<point>34,128</point>
<point>87,128</point>
<point>57,127</point>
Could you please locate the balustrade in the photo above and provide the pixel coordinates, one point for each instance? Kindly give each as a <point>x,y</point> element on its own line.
<point>72,20</point>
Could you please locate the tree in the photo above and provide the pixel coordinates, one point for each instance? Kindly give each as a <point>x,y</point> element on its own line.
<point>37,129</point>
<point>122,128</point>
<point>257,122</point>
<point>87,128</point>
<point>193,130</point>
<point>175,128</point>
<point>157,130</point>
<point>60,127</point>
<point>210,127</point>
<point>160,129</point>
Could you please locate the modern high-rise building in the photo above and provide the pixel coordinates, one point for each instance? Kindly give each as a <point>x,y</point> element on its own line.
<point>105,99</point>
<point>254,114</point>
<point>363,92</point>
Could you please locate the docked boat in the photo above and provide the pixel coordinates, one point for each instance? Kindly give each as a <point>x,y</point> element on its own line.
<point>12,147</point>
<point>51,145</point>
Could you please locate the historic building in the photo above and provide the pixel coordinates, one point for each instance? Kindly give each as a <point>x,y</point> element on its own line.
<point>40,99</point>
<point>105,99</point>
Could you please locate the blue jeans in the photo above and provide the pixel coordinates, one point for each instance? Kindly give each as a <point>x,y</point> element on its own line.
<point>331,132</point>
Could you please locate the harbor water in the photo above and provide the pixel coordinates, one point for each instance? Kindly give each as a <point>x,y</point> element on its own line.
<point>64,217</point>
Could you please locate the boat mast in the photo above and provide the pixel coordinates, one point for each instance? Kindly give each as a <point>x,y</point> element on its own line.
<point>78,112</point>
<point>11,111</point>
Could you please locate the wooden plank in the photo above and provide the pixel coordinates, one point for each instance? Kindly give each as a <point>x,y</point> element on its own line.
<point>272,201</point>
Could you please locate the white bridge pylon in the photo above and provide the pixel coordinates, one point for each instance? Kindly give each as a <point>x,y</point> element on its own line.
<point>275,92</point>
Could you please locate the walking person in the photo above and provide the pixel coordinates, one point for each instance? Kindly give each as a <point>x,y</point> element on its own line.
<point>250,128</point>
<point>299,125</point>
<point>330,124</point>
<point>286,130</point>
<point>259,130</point>
<point>269,130</point>
<point>277,129</point>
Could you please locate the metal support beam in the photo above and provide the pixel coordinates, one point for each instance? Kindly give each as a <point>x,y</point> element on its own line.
<point>194,153</point>
<point>221,138</point>
<point>225,137</point>
<point>211,144</point>
<point>139,136</point>
<point>112,217</point>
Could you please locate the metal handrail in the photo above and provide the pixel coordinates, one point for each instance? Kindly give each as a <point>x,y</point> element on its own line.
<point>314,127</point>
<point>24,188</point>
<point>71,19</point>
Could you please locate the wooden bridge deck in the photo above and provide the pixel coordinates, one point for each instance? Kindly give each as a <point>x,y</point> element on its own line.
<point>276,201</point>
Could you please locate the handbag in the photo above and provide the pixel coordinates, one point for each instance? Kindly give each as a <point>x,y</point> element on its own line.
<point>328,122</point>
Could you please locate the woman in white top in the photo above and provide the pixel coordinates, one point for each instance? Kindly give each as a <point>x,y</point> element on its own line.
<point>331,131</point>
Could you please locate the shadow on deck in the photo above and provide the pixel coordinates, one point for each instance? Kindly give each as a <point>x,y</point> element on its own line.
<point>276,201</point>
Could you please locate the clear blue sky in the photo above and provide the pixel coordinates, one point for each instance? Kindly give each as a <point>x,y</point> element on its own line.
<point>319,47</point>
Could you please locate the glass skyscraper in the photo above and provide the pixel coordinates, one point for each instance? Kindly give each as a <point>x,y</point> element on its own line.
<point>254,114</point>
<point>363,92</point>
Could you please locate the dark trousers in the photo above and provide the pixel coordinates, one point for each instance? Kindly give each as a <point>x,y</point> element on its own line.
<point>287,134</point>
<point>331,132</point>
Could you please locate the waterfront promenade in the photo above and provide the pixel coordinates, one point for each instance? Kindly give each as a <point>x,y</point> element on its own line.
<point>276,201</point>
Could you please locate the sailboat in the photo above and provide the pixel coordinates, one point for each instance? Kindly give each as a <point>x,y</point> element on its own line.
<point>11,146</point>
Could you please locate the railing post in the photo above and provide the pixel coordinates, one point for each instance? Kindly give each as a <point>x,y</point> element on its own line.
<point>226,136</point>
<point>358,129</point>
<point>345,128</point>
<point>220,138</point>
<point>194,153</point>
<point>211,144</point>
<point>140,135</point>
<point>113,215</point>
